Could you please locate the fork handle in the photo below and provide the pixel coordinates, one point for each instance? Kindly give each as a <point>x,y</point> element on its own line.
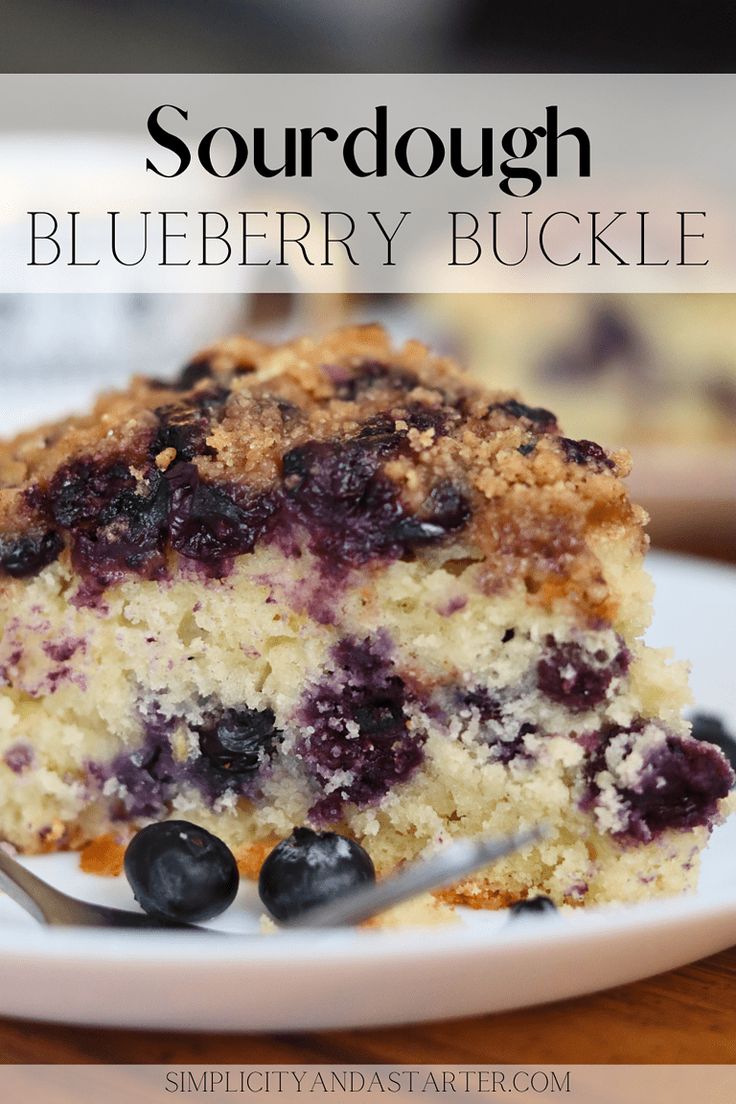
<point>44,903</point>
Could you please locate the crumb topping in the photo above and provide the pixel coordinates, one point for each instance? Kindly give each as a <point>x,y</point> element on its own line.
<point>360,451</point>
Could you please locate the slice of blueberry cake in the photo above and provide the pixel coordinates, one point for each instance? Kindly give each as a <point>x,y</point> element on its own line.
<point>335,584</point>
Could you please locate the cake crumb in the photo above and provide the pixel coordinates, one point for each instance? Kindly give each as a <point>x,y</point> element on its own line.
<point>165,458</point>
<point>250,859</point>
<point>423,911</point>
<point>103,856</point>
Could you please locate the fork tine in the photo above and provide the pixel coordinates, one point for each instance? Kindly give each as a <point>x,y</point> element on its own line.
<point>50,906</point>
<point>461,858</point>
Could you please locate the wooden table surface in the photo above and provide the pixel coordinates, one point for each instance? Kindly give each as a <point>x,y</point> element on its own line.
<point>687,1015</point>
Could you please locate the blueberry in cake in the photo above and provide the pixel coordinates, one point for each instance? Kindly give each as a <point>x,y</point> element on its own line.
<point>341,586</point>
<point>660,369</point>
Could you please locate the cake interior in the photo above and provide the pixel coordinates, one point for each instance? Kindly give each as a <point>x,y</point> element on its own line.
<point>460,716</point>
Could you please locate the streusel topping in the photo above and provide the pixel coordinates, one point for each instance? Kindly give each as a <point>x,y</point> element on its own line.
<point>362,452</point>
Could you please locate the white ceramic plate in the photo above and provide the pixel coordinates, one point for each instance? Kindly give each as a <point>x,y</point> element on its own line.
<point>351,979</point>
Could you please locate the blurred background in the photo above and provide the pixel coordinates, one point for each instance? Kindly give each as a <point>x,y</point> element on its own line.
<point>404,36</point>
<point>656,374</point>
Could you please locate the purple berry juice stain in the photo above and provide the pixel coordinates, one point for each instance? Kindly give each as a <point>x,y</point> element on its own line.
<point>19,757</point>
<point>679,786</point>
<point>572,676</point>
<point>358,730</point>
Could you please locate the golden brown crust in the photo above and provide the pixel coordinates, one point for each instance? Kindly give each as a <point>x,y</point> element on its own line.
<point>536,499</point>
<point>479,894</point>
<point>251,858</point>
<point>476,895</point>
<point>103,856</point>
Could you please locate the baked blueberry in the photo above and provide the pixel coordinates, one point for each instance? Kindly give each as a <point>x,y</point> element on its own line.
<point>239,740</point>
<point>84,492</point>
<point>117,523</point>
<point>191,374</point>
<point>446,510</point>
<point>211,524</point>
<point>364,693</point>
<point>309,869</point>
<point>532,906</point>
<point>587,453</point>
<point>185,425</point>
<point>370,374</point>
<point>181,872</point>
<point>544,420</point>
<point>24,555</point>
<point>664,780</point>
<point>578,678</point>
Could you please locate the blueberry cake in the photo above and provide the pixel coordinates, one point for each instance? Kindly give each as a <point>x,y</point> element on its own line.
<point>661,369</point>
<point>337,585</point>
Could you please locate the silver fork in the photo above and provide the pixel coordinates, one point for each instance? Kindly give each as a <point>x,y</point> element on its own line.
<point>437,872</point>
<point>50,906</point>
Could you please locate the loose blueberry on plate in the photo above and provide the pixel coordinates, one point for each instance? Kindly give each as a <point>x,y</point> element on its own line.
<point>533,906</point>
<point>712,729</point>
<point>311,868</point>
<point>181,872</point>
